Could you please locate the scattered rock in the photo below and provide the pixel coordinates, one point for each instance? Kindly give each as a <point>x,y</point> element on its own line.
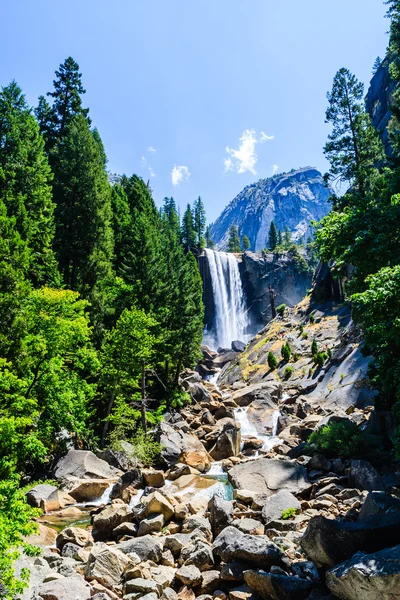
<point>377,503</point>
<point>266,476</point>
<point>276,504</point>
<point>152,524</point>
<point>146,547</point>
<point>189,575</point>
<point>74,535</point>
<point>39,493</point>
<point>65,589</point>
<point>106,564</point>
<point>109,518</point>
<point>221,513</point>
<point>364,477</point>
<point>83,464</point>
<point>232,545</point>
<point>278,587</point>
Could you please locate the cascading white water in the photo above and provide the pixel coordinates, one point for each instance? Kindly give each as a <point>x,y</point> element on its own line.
<point>230,311</point>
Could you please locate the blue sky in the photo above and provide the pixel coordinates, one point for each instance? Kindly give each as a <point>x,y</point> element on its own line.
<point>188,92</point>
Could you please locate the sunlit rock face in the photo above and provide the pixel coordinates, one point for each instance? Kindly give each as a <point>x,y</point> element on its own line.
<point>378,99</point>
<point>291,200</point>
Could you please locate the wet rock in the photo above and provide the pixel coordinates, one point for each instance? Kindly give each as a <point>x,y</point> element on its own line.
<point>109,518</point>
<point>83,464</point>
<point>276,504</point>
<point>233,545</point>
<point>74,535</point>
<point>221,513</point>
<point>266,476</point>
<point>38,493</point>
<point>189,575</point>
<point>367,576</point>
<point>377,503</point>
<point>146,547</point>
<point>106,564</point>
<point>364,477</point>
<point>328,542</point>
<point>152,524</point>
<point>278,587</point>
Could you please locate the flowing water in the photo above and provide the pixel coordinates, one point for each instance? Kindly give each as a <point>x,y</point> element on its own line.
<point>231,318</point>
<point>248,429</point>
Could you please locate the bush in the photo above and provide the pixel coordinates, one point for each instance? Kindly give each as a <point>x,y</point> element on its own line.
<point>286,352</point>
<point>295,357</point>
<point>287,373</point>
<point>289,513</point>
<point>314,347</point>
<point>145,449</point>
<point>272,362</point>
<point>301,328</point>
<point>320,358</point>
<point>342,439</point>
<point>178,398</point>
<point>281,309</point>
<point>311,319</point>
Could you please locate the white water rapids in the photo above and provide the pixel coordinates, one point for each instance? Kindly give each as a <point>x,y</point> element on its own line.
<point>231,318</point>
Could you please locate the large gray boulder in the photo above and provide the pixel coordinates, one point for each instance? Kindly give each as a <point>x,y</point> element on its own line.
<point>228,442</point>
<point>278,587</point>
<point>66,588</point>
<point>38,493</point>
<point>221,513</point>
<point>328,542</point>
<point>267,476</point>
<point>106,564</point>
<point>367,576</point>
<point>265,391</point>
<point>146,547</point>
<point>83,464</point>
<point>378,503</point>
<point>233,545</point>
<point>276,504</point>
<point>363,476</point>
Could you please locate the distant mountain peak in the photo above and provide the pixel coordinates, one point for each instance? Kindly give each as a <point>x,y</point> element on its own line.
<point>292,199</point>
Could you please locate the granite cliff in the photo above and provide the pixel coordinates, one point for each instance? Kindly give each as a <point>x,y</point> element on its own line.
<point>290,199</point>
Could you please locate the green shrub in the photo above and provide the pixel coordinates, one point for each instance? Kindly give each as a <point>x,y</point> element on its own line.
<point>272,362</point>
<point>304,335</point>
<point>311,319</point>
<point>287,373</point>
<point>286,352</point>
<point>314,347</point>
<point>145,449</point>
<point>301,328</point>
<point>342,439</point>
<point>281,309</point>
<point>295,357</point>
<point>329,353</point>
<point>178,398</point>
<point>320,358</point>
<point>289,513</point>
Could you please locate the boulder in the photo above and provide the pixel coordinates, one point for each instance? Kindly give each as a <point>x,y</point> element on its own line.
<point>276,504</point>
<point>45,536</point>
<point>367,576</point>
<point>152,524</point>
<point>86,490</point>
<point>83,464</point>
<point>56,501</point>
<point>189,575</point>
<point>266,476</point>
<point>363,476</point>
<point>233,545</point>
<point>74,535</point>
<point>251,526</point>
<point>125,529</point>
<point>130,479</point>
<point>146,547</point>
<point>156,504</point>
<point>140,587</point>
<point>67,588</point>
<point>199,554</point>
<point>153,478</point>
<point>123,459</point>
<point>258,391</point>
<point>261,414</point>
<point>328,542</point>
<point>198,459</point>
<point>38,493</point>
<point>228,442</point>
<point>197,522</point>
<point>182,447</point>
<point>109,518</point>
<point>238,346</point>
<point>211,582</point>
<point>106,564</point>
<point>278,587</point>
<point>221,513</point>
<point>377,503</point>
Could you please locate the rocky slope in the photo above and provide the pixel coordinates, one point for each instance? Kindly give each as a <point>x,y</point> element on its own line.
<point>377,101</point>
<point>240,507</point>
<point>291,199</point>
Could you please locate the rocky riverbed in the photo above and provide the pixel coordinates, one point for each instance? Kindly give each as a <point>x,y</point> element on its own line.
<point>240,507</point>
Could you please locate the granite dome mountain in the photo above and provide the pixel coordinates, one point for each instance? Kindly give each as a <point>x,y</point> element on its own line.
<point>291,200</point>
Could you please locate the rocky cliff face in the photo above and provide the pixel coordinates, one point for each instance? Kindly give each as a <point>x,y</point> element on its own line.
<point>291,199</point>
<point>377,101</point>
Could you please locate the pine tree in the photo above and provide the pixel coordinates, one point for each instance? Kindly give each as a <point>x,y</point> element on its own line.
<point>188,232</point>
<point>45,116</point>
<point>280,239</point>
<point>84,236</point>
<point>245,243</point>
<point>354,147</point>
<point>286,237</point>
<point>234,239</point>
<point>122,226</point>
<point>67,101</point>
<point>199,218</point>
<point>209,241</point>
<point>272,237</point>
<point>377,64</point>
<point>25,182</point>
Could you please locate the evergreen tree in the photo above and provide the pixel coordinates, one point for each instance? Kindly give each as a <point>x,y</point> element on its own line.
<point>25,182</point>
<point>280,240</point>
<point>45,116</point>
<point>272,237</point>
<point>287,237</point>
<point>353,148</point>
<point>170,216</point>
<point>209,241</point>
<point>199,218</point>
<point>188,232</point>
<point>245,243</point>
<point>234,239</point>
<point>122,226</point>
<point>84,236</point>
<point>67,101</point>
<point>377,64</point>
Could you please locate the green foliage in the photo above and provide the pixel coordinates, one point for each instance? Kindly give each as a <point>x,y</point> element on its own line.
<point>280,310</point>
<point>288,372</point>
<point>272,241</point>
<point>320,358</point>
<point>342,439</point>
<point>178,398</point>
<point>286,352</point>
<point>245,243</point>
<point>301,328</point>
<point>145,449</point>
<point>272,362</point>
<point>289,513</point>
<point>15,523</point>
<point>234,239</point>
<point>199,219</point>
<point>209,241</point>
<point>295,357</point>
<point>188,229</point>
<point>311,318</point>
<point>314,347</point>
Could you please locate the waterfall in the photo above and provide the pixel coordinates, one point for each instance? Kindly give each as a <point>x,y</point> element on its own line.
<point>230,313</point>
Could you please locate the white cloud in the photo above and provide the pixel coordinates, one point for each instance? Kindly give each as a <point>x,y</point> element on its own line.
<point>245,157</point>
<point>275,169</point>
<point>179,173</point>
<point>151,149</point>
<point>148,166</point>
